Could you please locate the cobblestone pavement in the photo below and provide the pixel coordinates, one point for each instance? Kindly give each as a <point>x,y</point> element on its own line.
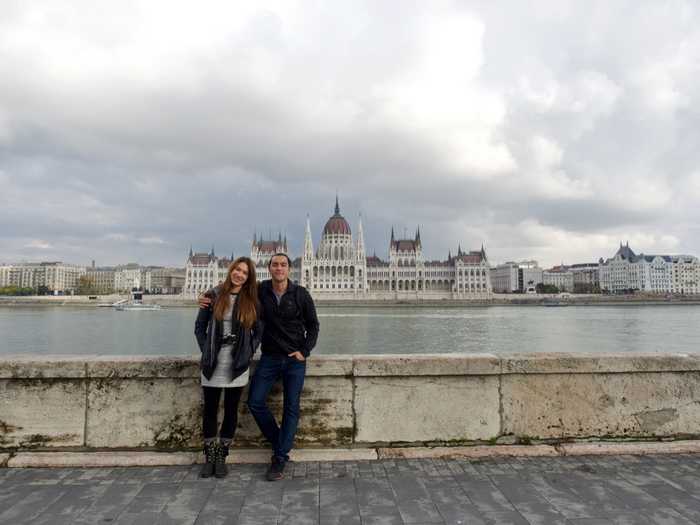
<point>563,490</point>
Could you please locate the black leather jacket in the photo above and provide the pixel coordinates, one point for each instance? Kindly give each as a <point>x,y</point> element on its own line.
<point>208,330</point>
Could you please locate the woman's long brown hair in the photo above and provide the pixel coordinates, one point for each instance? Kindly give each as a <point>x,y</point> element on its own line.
<point>247,297</point>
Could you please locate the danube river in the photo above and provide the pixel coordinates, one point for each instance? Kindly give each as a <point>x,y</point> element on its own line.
<point>369,330</point>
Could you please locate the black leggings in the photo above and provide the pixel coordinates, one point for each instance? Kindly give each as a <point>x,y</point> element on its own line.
<point>211,408</point>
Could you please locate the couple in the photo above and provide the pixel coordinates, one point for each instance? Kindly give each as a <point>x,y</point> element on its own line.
<point>233,319</point>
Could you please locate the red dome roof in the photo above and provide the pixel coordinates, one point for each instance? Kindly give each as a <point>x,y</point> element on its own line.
<point>337,223</point>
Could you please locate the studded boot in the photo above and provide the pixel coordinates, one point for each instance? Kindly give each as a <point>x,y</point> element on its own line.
<point>210,447</point>
<point>220,468</point>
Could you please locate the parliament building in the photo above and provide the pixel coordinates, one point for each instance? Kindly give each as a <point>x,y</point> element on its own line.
<point>340,268</point>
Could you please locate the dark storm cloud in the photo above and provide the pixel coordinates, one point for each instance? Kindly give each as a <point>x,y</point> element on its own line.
<point>546,131</point>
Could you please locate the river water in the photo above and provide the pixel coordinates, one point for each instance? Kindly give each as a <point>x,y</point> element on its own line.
<point>369,330</point>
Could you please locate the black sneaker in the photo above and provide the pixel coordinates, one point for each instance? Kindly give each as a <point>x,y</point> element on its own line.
<point>276,470</point>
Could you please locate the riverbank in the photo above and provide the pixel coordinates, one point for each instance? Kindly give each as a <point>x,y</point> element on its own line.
<point>496,300</point>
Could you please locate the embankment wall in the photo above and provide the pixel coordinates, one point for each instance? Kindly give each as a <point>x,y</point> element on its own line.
<point>95,403</point>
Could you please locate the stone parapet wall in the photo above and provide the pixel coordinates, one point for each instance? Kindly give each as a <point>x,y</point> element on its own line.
<point>92,402</point>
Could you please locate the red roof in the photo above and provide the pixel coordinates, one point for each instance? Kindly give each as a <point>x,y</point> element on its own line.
<point>405,245</point>
<point>373,260</point>
<point>270,246</point>
<point>200,259</point>
<point>337,225</point>
<point>470,259</point>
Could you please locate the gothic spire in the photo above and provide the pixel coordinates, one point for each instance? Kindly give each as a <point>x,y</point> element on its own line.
<point>308,245</point>
<point>360,240</point>
<point>337,207</point>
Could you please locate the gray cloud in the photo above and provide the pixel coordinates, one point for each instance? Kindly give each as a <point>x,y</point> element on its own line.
<point>548,131</point>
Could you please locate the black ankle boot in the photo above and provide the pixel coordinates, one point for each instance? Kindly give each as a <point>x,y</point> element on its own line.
<point>220,468</point>
<point>209,460</point>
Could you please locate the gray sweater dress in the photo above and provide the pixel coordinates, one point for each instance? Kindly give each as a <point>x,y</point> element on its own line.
<point>221,378</point>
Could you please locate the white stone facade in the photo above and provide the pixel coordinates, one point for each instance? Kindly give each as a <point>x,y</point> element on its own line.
<point>131,277</point>
<point>561,277</point>
<point>516,277</point>
<point>58,277</point>
<point>339,266</point>
<point>203,271</point>
<point>659,274</point>
<point>340,269</point>
<point>102,279</point>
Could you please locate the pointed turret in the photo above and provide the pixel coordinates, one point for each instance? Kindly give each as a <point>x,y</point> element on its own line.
<point>191,253</point>
<point>212,251</point>
<point>459,250</point>
<point>337,207</point>
<point>308,245</point>
<point>360,240</point>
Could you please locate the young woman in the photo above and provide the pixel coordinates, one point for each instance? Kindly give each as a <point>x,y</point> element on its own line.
<point>228,333</point>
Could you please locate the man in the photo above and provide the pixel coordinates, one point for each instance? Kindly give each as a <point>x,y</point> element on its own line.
<point>290,333</point>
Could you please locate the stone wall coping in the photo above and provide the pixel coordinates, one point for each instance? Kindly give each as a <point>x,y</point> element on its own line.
<point>44,366</point>
<point>592,363</point>
<point>426,365</point>
<point>94,366</point>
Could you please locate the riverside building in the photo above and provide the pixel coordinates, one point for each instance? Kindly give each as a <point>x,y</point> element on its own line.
<point>340,268</point>
<point>629,272</point>
<point>560,276</point>
<point>516,277</point>
<point>56,277</point>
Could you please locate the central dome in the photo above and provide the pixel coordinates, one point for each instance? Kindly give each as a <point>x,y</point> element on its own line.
<point>337,223</point>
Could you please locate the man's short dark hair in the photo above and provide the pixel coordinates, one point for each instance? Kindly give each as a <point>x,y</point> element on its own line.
<point>280,254</point>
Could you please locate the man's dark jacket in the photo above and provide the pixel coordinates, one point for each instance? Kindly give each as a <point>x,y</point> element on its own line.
<point>290,326</point>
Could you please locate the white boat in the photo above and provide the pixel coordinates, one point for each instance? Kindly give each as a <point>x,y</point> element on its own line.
<point>131,306</point>
<point>136,304</point>
<point>113,305</point>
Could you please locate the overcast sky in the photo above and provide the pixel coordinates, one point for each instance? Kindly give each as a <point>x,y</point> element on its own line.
<point>549,130</point>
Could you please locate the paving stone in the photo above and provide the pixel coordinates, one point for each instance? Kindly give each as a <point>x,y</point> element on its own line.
<point>223,506</point>
<point>110,504</point>
<point>30,503</point>
<point>75,500</point>
<point>486,496</point>
<point>547,491</point>
<point>186,503</point>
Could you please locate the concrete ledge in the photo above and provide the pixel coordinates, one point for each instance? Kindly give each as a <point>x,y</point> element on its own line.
<point>259,456</point>
<point>125,367</point>
<point>102,459</point>
<point>44,367</point>
<point>426,365</point>
<point>475,452</point>
<point>633,448</point>
<point>147,459</point>
<point>590,363</point>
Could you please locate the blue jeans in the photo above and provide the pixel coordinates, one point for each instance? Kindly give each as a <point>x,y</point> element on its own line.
<point>268,371</point>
